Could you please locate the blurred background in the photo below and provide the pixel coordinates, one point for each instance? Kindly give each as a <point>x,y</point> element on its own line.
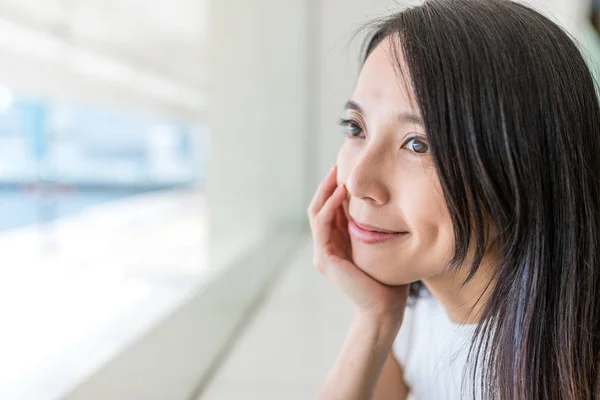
<point>156,162</point>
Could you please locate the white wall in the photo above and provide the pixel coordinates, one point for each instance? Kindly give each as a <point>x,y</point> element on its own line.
<point>339,61</point>
<point>568,13</point>
<point>284,145</point>
<point>257,109</point>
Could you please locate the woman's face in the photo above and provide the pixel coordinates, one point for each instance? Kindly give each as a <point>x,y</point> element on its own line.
<point>391,180</point>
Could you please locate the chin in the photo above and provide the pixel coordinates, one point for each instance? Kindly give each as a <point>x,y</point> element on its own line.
<point>384,267</point>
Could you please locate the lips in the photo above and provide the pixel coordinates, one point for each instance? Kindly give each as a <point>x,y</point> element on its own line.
<point>372,228</point>
<point>370,234</point>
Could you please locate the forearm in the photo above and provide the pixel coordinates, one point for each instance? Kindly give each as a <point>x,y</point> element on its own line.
<point>357,368</point>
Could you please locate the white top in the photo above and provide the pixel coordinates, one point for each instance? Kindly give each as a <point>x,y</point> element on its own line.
<point>432,351</point>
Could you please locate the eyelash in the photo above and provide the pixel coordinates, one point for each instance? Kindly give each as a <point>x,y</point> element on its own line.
<point>420,139</point>
<point>347,124</point>
<point>350,123</point>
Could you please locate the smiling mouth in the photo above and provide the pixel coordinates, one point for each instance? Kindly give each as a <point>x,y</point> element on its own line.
<point>371,235</point>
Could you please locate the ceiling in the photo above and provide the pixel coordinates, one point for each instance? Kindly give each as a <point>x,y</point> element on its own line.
<point>159,41</point>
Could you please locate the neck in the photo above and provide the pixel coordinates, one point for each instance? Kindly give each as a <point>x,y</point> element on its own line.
<point>463,303</point>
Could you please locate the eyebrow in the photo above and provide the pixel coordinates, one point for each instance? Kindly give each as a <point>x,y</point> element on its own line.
<point>405,116</point>
<point>352,105</point>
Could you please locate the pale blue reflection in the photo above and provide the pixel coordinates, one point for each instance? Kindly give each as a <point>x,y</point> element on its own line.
<point>59,158</point>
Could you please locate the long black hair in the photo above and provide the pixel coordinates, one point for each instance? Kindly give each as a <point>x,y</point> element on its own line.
<point>512,115</point>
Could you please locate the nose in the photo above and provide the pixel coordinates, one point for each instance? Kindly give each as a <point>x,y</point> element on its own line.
<point>367,178</point>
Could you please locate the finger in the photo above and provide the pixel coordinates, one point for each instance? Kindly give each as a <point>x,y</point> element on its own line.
<point>342,221</point>
<point>338,218</point>
<point>333,203</point>
<point>342,234</point>
<point>326,215</point>
<point>323,192</point>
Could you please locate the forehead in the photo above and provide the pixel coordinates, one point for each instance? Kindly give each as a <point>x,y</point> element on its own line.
<point>383,82</point>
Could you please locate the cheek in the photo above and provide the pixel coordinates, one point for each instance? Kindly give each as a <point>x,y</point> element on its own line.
<point>433,244</point>
<point>430,224</point>
<point>426,212</point>
<point>429,248</point>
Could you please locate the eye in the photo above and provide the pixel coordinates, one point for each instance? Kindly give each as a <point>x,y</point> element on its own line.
<point>351,128</point>
<point>416,145</point>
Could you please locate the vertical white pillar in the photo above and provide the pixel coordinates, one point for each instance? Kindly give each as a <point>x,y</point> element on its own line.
<point>256,115</point>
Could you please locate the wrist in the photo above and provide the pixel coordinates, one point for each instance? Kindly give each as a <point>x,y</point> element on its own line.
<point>380,318</point>
<point>384,324</point>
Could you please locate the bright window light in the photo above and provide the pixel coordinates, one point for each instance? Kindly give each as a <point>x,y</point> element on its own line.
<point>45,46</point>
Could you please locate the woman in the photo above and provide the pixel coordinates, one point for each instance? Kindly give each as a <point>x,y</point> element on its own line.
<point>469,181</point>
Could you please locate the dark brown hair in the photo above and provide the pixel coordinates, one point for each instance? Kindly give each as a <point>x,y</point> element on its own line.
<point>511,112</point>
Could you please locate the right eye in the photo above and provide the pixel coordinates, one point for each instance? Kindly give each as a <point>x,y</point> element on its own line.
<point>351,128</point>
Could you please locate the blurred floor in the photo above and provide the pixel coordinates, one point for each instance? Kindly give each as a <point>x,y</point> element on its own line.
<point>109,274</point>
<point>287,350</point>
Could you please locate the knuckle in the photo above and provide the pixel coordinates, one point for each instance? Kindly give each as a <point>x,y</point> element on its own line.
<point>318,261</point>
<point>328,251</point>
<point>320,267</point>
<point>318,219</point>
<point>313,228</point>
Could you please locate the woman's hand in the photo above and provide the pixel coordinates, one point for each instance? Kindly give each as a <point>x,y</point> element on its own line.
<point>379,308</point>
<point>333,256</point>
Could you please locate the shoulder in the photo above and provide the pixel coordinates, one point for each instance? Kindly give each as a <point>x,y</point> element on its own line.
<point>431,349</point>
<point>419,317</point>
